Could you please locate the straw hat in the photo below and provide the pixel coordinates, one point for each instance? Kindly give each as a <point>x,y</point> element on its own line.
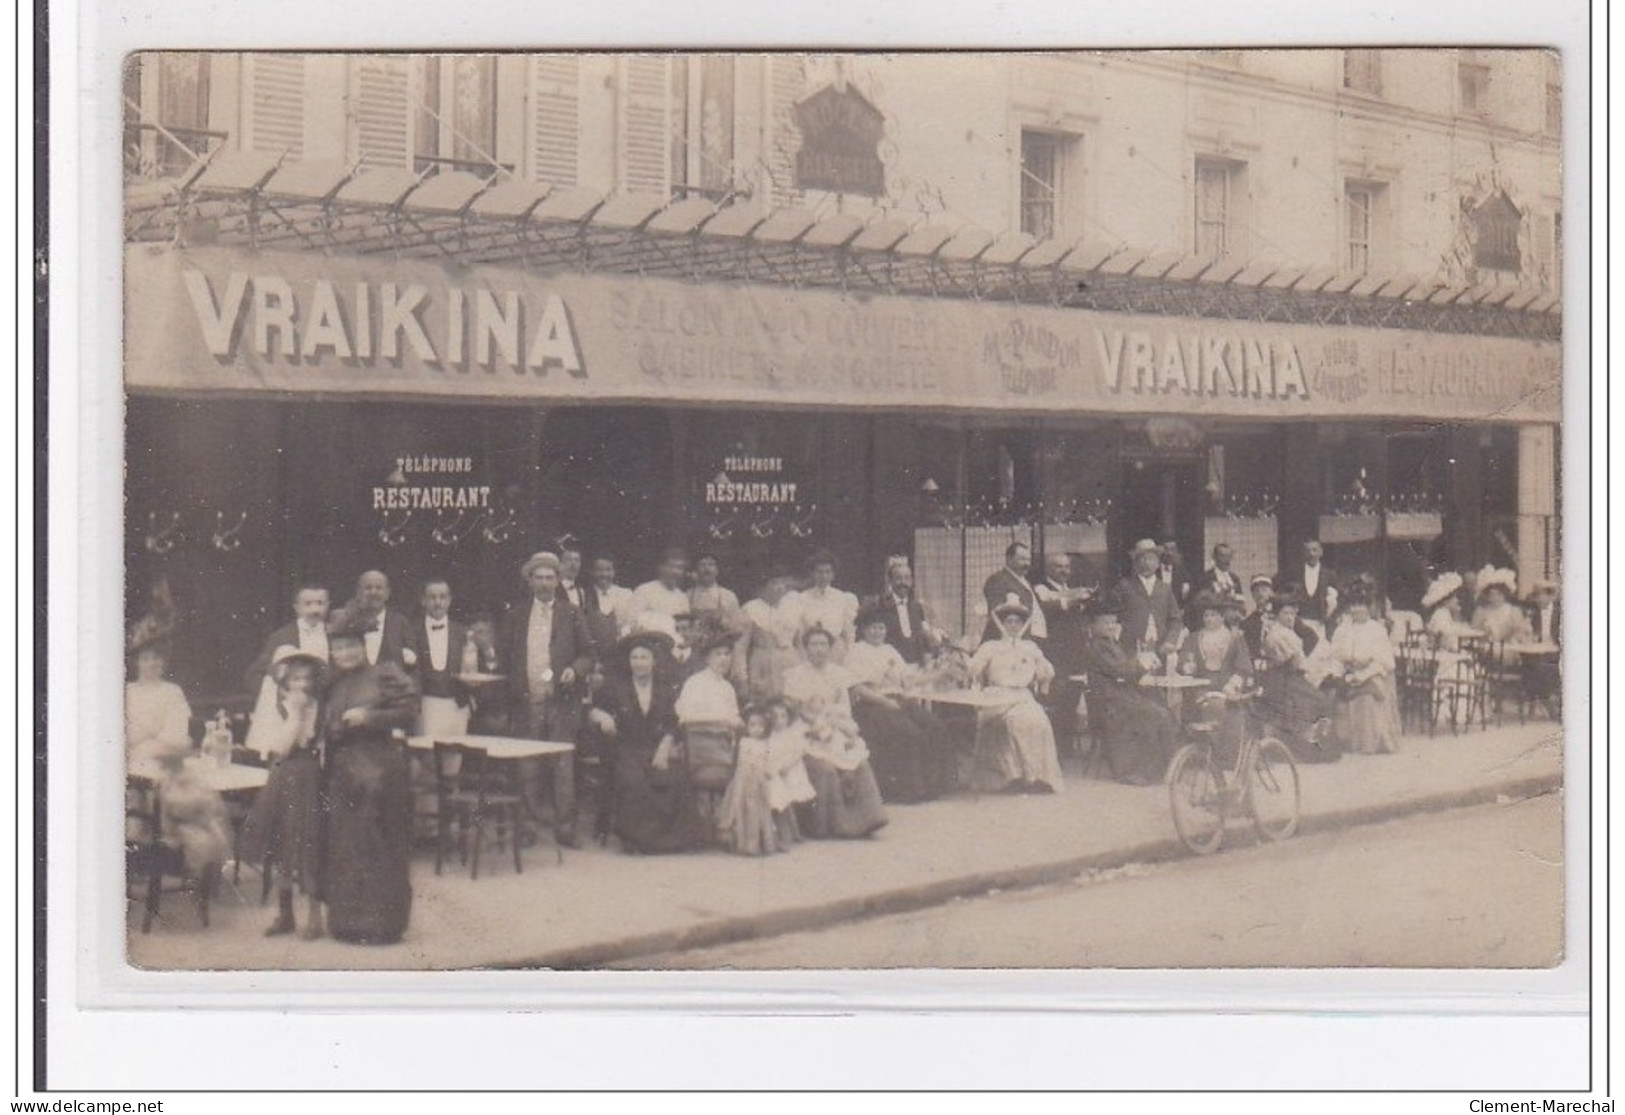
<point>1012,606</point>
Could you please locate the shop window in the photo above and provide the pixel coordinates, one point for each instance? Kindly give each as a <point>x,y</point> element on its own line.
<point>1043,167</point>
<point>1472,84</point>
<point>1220,194</point>
<point>166,104</point>
<point>456,118</point>
<point>1362,71</point>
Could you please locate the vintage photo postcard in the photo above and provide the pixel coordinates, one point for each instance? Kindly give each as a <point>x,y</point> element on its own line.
<point>762,511</point>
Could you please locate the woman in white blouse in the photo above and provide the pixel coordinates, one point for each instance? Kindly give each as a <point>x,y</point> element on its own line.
<point>848,801</point>
<point>822,605</point>
<point>772,625</point>
<point>1016,738</point>
<point>157,717</point>
<point>1366,713</point>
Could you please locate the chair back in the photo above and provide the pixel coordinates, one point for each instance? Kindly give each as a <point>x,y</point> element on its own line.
<point>457,769</point>
<point>709,753</point>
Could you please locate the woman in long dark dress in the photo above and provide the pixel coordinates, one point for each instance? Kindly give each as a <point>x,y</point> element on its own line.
<point>285,823</point>
<point>1291,700</point>
<point>911,749</point>
<point>654,808</point>
<point>368,839</point>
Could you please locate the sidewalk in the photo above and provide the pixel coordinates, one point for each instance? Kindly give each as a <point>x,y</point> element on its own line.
<point>603,906</point>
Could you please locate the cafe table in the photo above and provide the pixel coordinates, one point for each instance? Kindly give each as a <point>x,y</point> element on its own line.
<point>228,778</point>
<point>501,749</point>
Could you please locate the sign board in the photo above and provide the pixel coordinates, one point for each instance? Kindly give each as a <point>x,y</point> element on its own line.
<point>840,141</point>
<point>228,320</point>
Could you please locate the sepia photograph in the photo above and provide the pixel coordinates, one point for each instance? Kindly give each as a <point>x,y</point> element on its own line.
<point>921,510</point>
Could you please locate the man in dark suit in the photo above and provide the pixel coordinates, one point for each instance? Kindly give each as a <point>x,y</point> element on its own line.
<point>308,632</point>
<point>1220,579</point>
<point>908,628</point>
<point>1063,616</point>
<point>387,638</point>
<point>1012,581</point>
<point>1542,674</point>
<point>547,653</point>
<point>1315,582</point>
<point>439,643</point>
<point>1149,614</point>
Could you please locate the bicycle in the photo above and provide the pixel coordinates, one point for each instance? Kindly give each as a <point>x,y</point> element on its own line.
<point>1264,783</point>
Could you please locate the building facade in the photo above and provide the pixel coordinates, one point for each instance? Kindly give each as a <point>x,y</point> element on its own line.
<point>427,313</point>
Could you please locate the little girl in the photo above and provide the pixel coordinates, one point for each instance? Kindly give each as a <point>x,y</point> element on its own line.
<point>788,783</point>
<point>745,813</point>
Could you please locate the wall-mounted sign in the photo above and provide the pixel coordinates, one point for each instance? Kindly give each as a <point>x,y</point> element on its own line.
<point>756,481</point>
<point>655,340</point>
<point>840,140</point>
<point>411,485</point>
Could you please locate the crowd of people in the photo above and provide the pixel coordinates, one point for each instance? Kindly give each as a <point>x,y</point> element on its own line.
<point>800,713</point>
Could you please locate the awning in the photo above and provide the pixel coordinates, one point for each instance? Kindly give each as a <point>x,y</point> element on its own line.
<point>254,199</point>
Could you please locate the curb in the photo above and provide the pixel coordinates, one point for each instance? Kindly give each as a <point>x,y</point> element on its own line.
<point>898,900</point>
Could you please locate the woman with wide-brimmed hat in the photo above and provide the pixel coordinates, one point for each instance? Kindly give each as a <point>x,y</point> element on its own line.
<point>1015,743</point>
<point>368,835</point>
<point>286,821</point>
<point>652,809</point>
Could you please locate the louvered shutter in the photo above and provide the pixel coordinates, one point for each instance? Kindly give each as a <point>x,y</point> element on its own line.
<point>787,77</point>
<point>555,118</point>
<point>276,103</point>
<point>645,123</point>
<point>1545,249</point>
<point>381,111</point>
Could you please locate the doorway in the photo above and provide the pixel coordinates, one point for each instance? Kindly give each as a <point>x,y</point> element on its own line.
<point>1162,499</point>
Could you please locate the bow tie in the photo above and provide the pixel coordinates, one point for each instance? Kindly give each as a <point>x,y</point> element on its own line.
<point>437,627</point>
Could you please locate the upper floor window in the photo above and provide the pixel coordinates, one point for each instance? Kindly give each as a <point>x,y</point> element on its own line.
<point>1220,196</point>
<point>1364,215</point>
<point>1043,164</point>
<point>1472,83</point>
<point>702,141</point>
<point>1362,71</point>
<point>456,125</point>
<point>166,113</point>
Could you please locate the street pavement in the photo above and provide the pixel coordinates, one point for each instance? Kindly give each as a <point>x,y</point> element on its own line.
<point>1475,887</point>
<point>603,907</point>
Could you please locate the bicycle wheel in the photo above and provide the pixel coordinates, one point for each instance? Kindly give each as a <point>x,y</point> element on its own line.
<point>1272,790</point>
<point>1196,795</point>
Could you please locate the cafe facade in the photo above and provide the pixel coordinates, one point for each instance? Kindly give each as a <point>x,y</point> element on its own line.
<point>438,368</point>
<point>297,415</point>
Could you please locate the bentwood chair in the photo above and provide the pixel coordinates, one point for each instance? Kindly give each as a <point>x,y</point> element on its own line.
<point>149,857</point>
<point>1504,678</point>
<point>473,793</point>
<point>1417,680</point>
<point>1464,683</point>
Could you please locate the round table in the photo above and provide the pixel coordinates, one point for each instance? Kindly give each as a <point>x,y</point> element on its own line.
<point>1533,648</point>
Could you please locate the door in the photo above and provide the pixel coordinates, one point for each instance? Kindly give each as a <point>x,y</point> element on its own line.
<point>1162,499</point>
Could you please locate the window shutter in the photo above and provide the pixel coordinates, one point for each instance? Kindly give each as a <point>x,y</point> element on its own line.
<point>276,103</point>
<point>645,124</point>
<point>1545,250</point>
<point>381,111</point>
<point>555,113</point>
<point>787,84</point>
